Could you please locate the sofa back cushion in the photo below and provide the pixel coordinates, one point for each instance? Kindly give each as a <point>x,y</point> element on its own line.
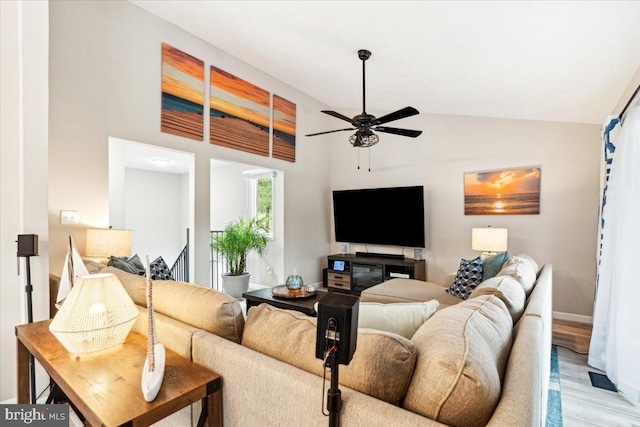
<point>462,353</point>
<point>194,305</point>
<point>520,270</point>
<point>508,290</point>
<point>381,367</point>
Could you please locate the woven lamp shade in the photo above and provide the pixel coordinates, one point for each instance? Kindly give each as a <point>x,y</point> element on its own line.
<point>97,314</point>
<point>489,239</point>
<point>103,243</point>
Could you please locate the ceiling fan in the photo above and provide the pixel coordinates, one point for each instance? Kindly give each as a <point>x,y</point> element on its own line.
<point>365,124</point>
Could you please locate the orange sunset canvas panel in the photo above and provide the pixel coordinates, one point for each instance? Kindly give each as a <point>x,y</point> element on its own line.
<point>502,192</point>
<point>182,94</point>
<point>284,129</point>
<point>239,114</point>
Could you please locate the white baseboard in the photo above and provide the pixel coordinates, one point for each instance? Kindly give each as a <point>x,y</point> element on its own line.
<point>573,317</point>
<point>11,401</point>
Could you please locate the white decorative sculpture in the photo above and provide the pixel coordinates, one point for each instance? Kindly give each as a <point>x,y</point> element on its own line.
<point>73,268</point>
<point>153,371</point>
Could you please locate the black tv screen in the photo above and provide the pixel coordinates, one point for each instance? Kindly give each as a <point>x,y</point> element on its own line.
<point>380,216</point>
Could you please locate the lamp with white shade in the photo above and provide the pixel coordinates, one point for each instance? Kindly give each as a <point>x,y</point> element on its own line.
<point>97,314</point>
<point>489,240</point>
<point>103,243</point>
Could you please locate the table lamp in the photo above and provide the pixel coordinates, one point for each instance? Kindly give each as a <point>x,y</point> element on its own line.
<point>103,243</point>
<point>489,240</point>
<point>97,314</point>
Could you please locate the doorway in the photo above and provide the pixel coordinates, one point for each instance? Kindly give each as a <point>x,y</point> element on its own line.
<point>151,192</point>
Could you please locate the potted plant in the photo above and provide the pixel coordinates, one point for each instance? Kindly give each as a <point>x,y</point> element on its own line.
<point>238,239</point>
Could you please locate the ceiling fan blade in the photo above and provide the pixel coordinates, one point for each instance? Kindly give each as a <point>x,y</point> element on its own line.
<point>396,115</point>
<point>330,131</point>
<point>338,116</point>
<point>404,132</point>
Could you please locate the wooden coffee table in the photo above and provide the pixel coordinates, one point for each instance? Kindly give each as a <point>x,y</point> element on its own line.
<point>303,305</point>
<point>105,385</point>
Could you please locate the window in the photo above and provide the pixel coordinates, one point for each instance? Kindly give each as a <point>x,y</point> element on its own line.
<point>261,204</point>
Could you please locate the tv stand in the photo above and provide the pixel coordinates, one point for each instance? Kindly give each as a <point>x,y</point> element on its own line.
<point>354,273</point>
<point>376,255</point>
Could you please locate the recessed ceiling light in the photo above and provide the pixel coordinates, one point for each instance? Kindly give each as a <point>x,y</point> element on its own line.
<point>161,162</point>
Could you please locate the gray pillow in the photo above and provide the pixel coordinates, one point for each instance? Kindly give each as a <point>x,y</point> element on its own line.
<point>491,265</point>
<point>131,265</point>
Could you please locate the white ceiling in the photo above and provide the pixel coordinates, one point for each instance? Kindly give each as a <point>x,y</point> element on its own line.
<point>141,156</point>
<point>562,61</point>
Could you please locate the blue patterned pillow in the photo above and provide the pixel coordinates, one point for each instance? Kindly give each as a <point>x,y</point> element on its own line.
<point>159,270</point>
<point>469,276</point>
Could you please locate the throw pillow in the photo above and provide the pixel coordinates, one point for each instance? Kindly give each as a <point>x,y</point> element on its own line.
<point>522,272</point>
<point>468,277</point>
<point>403,319</point>
<point>160,270</point>
<point>130,265</point>
<point>492,264</point>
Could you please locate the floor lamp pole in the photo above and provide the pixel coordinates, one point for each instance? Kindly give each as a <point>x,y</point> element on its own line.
<point>28,247</point>
<point>32,366</point>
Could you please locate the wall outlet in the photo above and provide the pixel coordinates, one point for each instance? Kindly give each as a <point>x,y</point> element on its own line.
<point>69,217</point>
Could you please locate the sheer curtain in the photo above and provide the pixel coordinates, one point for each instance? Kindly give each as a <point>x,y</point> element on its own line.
<point>615,341</point>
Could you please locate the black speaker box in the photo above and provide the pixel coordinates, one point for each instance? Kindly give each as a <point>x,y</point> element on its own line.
<point>337,325</point>
<point>27,245</point>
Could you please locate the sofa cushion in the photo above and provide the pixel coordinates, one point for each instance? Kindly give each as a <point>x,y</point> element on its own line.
<point>522,271</point>
<point>469,276</point>
<point>290,337</point>
<point>408,290</point>
<point>195,305</point>
<point>462,353</point>
<point>492,264</point>
<point>528,259</point>
<point>508,290</point>
<point>403,319</point>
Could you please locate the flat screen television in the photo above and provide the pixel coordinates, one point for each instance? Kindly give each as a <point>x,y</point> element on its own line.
<point>380,216</point>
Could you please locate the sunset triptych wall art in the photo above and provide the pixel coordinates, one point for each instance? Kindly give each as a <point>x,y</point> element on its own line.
<point>182,94</point>
<point>502,192</point>
<point>239,114</point>
<point>284,129</point>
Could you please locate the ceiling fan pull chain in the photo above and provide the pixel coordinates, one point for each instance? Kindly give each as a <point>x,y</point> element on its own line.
<point>358,159</point>
<point>369,150</point>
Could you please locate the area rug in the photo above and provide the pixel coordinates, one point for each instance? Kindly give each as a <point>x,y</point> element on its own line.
<point>554,402</point>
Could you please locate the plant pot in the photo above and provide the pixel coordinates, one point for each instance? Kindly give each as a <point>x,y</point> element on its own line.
<point>235,286</point>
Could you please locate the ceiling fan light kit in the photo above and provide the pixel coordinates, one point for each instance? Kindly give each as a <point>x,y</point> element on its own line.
<point>365,124</point>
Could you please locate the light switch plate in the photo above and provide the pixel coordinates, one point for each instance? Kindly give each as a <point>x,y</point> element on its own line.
<point>69,217</point>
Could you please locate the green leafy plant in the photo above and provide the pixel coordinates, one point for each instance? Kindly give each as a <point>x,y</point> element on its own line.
<point>238,239</point>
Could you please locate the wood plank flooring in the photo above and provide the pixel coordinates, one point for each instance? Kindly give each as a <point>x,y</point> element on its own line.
<point>573,335</point>
<point>586,406</point>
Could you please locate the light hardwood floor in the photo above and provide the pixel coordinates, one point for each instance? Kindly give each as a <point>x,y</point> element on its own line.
<point>586,406</point>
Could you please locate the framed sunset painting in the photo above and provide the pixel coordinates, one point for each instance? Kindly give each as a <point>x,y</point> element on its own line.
<point>502,192</point>
<point>284,129</point>
<point>182,94</point>
<point>239,114</point>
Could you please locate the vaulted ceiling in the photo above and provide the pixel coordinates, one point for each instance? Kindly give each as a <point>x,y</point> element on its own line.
<point>560,61</point>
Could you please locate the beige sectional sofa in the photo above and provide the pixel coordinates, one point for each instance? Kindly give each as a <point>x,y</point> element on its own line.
<point>483,361</point>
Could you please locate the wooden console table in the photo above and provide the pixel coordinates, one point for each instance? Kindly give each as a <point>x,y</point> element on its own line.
<point>105,385</point>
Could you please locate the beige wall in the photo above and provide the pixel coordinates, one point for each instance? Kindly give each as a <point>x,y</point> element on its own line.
<point>105,81</point>
<point>564,233</point>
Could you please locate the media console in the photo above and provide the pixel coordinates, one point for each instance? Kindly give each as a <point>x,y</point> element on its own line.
<point>355,273</point>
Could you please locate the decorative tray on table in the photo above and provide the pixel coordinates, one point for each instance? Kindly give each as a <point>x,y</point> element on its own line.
<point>283,292</point>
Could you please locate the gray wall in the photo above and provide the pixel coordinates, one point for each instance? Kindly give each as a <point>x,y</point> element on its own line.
<point>564,233</point>
<point>105,81</point>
